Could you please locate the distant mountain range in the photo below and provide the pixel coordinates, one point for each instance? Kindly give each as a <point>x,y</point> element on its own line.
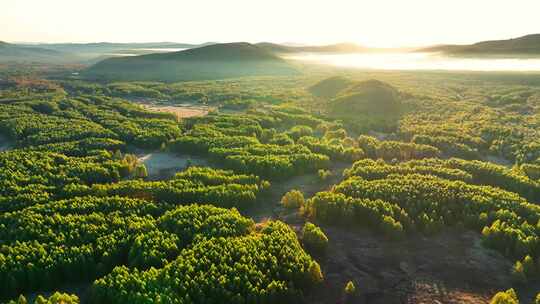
<point>332,48</point>
<point>526,45</point>
<point>21,53</point>
<point>90,53</point>
<point>215,61</point>
<point>107,47</point>
<point>85,53</point>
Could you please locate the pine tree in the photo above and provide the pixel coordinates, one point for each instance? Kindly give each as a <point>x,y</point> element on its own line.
<point>140,171</point>
<point>293,199</point>
<point>505,297</point>
<point>315,273</point>
<point>350,289</point>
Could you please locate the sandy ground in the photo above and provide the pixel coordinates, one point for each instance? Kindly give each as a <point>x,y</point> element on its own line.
<point>162,165</point>
<point>183,110</point>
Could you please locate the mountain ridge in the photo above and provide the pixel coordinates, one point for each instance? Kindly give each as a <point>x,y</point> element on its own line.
<point>524,45</point>
<point>215,61</point>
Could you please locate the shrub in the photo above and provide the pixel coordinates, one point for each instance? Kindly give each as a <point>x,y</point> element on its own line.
<point>518,273</point>
<point>314,238</point>
<point>391,227</point>
<point>293,199</point>
<point>298,131</point>
<point>324,174</point>
<point>281,139</point>
<point>20,300</point>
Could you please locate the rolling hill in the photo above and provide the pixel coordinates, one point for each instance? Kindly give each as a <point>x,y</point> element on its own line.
<point>368,104</point>
<point>370,97</point>
<point>14,53</point>
<point>330,87</point>
<point>526,45</point>
<point>216,61</point>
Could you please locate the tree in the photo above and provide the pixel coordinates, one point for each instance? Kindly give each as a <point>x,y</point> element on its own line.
<point>315,273</point>
<point>293,199</point>
<point>314,238</point>
<point>505,297</point>
<point>140,171</point>
<point>350,289</point>
<point>529,267</point>
<point>20,300</point>
<point>63,298</point>
<point>350,292</point>
<point>324,174</point>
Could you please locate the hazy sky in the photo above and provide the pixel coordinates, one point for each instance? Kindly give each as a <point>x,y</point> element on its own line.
<point>369,22</point>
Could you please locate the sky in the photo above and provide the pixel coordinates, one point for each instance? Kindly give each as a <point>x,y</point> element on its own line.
<point>377,23</point>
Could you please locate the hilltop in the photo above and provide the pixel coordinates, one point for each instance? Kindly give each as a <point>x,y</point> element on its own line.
<point>330,87</point>
<point>370,97</point>
<point>526,45</point>
<point>215,61</point>
<point>361,104</point>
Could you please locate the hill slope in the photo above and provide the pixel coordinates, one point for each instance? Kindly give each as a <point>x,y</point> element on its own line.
<point>363,105</point>
<point>209,62</point>
<point>17,53</point>
<point>526,45</point>
<point>330,87</point>
<point>370,97</point>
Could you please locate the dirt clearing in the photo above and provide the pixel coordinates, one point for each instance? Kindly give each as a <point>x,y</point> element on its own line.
<point>182,110</point>
<point>451,267</point>
<point>163,165</point>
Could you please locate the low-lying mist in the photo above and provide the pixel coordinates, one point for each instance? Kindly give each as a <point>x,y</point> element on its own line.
<point>420,61</point>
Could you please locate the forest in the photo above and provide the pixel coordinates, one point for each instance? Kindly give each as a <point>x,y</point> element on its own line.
<point>316,188</point>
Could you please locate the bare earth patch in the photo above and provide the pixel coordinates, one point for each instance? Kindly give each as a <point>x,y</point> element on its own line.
<point>450,268</point>
<point>180,110</point>
<point>162,165</point>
